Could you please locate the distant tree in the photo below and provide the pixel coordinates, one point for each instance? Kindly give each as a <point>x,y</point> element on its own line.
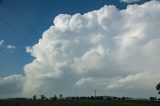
<point>34,97</point>
<point>43,97</point>
<point>53,98</point>
<point>92,97</point>
<point>123,98</point>
<point>60,96</point>
<point>158,88</point>
<point>153,98</point>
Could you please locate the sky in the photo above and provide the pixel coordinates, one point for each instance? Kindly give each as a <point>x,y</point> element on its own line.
<point>73,47</point>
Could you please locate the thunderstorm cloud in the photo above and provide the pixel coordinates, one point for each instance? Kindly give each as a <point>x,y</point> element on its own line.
<point>114,51</point>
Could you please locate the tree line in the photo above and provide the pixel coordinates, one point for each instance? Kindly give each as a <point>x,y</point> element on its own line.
<point>60,97</point>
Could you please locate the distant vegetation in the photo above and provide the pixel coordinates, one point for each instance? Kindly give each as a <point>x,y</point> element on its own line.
<point>158,88</point>
<point>81,101</point>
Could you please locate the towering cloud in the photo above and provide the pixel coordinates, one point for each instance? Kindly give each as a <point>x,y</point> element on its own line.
<point>114,51</point>
<point>107,49</point>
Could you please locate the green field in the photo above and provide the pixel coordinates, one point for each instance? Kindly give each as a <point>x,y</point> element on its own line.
<point>77,103</point>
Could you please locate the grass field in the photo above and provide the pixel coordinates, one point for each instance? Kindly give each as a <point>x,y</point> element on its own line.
<point>77,103</point>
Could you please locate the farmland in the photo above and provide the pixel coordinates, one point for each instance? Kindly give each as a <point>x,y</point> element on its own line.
<point>78,103</point>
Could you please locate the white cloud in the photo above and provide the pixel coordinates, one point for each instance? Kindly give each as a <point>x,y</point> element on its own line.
<point>129,1</point>
<point>11,85</point>
<point>4,46</point>
<point>1,43</point>
<point>10,47</point>
<point>140,80</point>
<point>91,60</point>
<point>109,49</point>
<point>96,48</point>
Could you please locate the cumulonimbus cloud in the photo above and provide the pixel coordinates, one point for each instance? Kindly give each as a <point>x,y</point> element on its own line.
<point>109,49</point>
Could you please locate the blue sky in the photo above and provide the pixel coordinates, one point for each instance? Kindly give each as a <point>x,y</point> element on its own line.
<point>102,44</point>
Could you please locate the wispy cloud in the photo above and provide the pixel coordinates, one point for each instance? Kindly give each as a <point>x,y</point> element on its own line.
<point>11,47</point>
<point>1,43</point>
<point>6,46</point>
<point>129,1</point>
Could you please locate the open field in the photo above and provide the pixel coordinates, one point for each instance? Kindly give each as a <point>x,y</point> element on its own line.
<point>77,103</point>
